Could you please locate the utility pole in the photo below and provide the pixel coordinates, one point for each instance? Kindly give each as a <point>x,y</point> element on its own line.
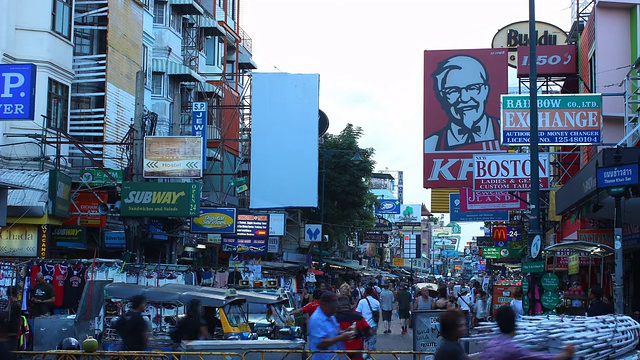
<point>618,290</point>
<point>534,228</point>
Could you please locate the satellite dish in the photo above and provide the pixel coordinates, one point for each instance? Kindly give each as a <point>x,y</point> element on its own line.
<point>323,123</point>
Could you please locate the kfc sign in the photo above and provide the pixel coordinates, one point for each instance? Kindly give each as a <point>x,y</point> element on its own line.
<point>491,200</point>
<point>558,60</point>
<point>462,91</point>
<point>503,172</point>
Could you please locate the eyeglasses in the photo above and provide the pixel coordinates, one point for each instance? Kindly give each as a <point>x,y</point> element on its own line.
<point>453,93</point>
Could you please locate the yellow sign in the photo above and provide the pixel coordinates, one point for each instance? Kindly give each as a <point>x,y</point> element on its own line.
<point>574,264</point>
<point>398,261</point>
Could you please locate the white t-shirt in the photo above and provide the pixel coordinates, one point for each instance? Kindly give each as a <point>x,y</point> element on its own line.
<point>516,305</point>
<point>464,302</point>
<point>367,314</point>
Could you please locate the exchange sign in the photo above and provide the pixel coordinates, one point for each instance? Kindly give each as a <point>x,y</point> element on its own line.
<point>562,119</point>
<point>500,172</point>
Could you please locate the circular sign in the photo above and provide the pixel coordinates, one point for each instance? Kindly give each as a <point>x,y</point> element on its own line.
<point>536,244</point>
<point>504,253</point>
<point>525,304</point>
<point>618,242</point>
<point>550,300</point>
<point>525,286</point>
<point>550,281</point>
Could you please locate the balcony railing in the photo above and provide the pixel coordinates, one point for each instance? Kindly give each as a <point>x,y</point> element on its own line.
<point>246,40</point>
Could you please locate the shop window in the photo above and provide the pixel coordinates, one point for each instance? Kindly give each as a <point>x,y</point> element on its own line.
<point>157,84</point>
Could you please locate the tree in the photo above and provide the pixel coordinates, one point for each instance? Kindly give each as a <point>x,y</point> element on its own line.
<point>348,204</point>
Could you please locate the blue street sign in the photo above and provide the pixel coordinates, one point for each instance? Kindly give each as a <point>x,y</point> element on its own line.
<point>613,176</point>
<point>199,127</point>
<point>17,91</point>
<point>456,215</point>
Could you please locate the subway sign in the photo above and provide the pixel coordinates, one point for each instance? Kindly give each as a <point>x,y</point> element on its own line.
<point>160,199</point>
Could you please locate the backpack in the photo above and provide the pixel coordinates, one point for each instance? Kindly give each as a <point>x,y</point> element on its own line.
<point>121,325</point>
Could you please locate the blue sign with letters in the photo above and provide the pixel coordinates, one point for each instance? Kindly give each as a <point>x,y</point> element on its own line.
<point>244,246</point>
<point>388,206</point>
<point>613,176</point>
<point>115,240</point>
<point>199,126</point>
<point>17,91</point>
<point>456,215</point>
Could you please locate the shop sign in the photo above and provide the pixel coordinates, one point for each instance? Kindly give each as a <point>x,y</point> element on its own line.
<point>199,123</point>
<point>613,176</point>
<point>550,300</point>
<point>382,224</point>
<point>484,241</point>
<point>215,221</point>
<point>532,267</point>
<point>59,194</point>
<point>17,91</point>
<point>69,236</point>
<point>550,281</point>
<point>387,206</point>
<point>491,200</point>
<point>574,264</point>
<point>596,236</point>
<point>277,224</point>
<point>274,245</point>
<point>559,60</point>
<point>173,157</point>
<point>500,253</point>
<point>115,240</point>
<point>375,238</point>
<point>99,177</point>
<point>455,214</point>
<point>479,74</point>
<point>84,209</point>
<point>244,246</point>
<point>19,241</point>
<point>500,172</point>
<point>562,119</point>
<point>43,244</point>
<point>214,239</point>
<point>398,261</point>
<point>516,35</point>
<point>160,199</point>
<point>252,225</point>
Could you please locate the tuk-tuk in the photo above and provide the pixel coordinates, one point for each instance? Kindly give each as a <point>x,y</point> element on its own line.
<point>223,313</point>
<point>269,315</point>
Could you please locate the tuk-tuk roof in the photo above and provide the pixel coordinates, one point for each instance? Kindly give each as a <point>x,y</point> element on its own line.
<point>209,299</point>
<point>124,291</point>
<point>162,295</point>
<point>250,296</point>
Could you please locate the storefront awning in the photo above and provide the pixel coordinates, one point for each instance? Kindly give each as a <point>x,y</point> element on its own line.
<point>28,192</point>
<point>595,250</point>
<point>181,72</point>
<point>279,266</point>
<point>212,89</point>
<point>344,264</point>
<point>188,7</point>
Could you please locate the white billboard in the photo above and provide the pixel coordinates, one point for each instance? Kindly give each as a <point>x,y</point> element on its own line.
<point>508,172</point>
<point>284,140</point>
<point>172,157</point>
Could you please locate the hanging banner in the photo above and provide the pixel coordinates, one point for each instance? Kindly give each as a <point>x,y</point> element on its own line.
<point>244,246</point>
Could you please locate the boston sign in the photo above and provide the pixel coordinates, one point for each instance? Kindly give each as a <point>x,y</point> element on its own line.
<point>502,172</point>
<point>562,119</point>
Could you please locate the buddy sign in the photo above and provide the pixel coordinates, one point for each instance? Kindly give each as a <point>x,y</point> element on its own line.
<point>562,119</point>
<point>160,199</point>
<point>504,172</point>
<point>517,34</point>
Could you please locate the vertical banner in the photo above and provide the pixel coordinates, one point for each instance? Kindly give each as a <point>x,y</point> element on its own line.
<point>462,91</point>
<point>199,127</point>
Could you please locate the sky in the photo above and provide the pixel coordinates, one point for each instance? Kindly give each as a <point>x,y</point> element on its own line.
<point>369,54</point>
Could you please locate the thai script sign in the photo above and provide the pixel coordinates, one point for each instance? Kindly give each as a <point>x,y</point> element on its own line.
<point>621,175</point>
<point>495,172</point>
<point>562,119</point>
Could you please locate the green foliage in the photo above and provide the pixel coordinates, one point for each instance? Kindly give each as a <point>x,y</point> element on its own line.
<point>347,200</point>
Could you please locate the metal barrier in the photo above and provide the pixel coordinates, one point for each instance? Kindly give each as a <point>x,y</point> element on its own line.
<point>248,355</point>
<point>125,355</point>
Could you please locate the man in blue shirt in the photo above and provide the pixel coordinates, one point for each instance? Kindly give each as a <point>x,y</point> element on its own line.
<point>324,330</point>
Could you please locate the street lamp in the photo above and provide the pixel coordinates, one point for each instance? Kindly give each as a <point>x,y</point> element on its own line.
<point>325,155</point>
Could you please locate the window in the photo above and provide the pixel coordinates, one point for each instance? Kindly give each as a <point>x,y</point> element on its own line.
<point>159,11</point>
<point>146,69</point>
<point>157,84</point>
<point>172,89</point>
<point>231,10</point>
<point>214,50</point>
<point>592,73</point>
<point>221,4</point>
<point>230,71</point>
<point>61,17</point>
<point>175,21</point>
<point>57,105</point>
